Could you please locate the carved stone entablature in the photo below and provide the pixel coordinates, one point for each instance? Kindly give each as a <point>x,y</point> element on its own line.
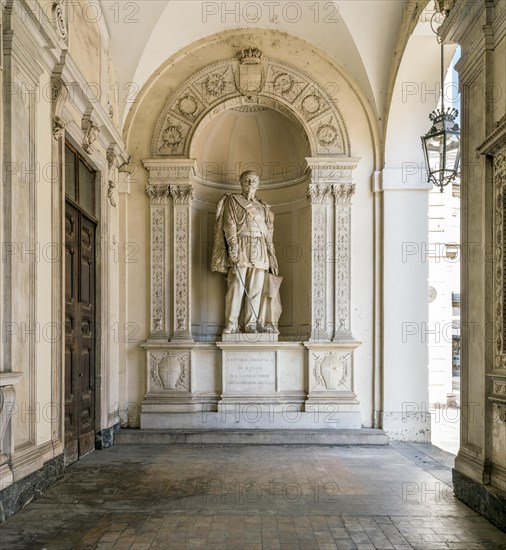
<point>170,371</point>
<point>170,171</point>
<point>250,77</point>
<point>343,193</point>
<point>91,132</point>
<point>158,193</point>
<point>182,194</point>
<point>331,170</point>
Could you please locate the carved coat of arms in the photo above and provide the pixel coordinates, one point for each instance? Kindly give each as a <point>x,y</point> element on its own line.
<point>250,79</point>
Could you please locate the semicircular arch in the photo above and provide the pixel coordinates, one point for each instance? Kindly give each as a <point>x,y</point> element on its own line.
<point>267,83</point>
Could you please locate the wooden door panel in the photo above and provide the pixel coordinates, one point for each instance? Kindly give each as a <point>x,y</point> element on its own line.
<point>79,334</point>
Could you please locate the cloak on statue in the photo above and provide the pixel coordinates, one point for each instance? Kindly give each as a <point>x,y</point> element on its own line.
<point>270,305</point>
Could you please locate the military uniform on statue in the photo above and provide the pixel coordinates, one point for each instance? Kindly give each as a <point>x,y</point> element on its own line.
<point>244,250</point>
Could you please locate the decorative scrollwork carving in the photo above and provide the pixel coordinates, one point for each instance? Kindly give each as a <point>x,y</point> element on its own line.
<point>58,128</point>
<point>59,17</point>
<point>91,132</point>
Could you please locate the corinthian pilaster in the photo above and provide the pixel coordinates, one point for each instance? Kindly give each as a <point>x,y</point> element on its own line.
<point>182,196</point>
<point>158,215</point>
<point>170,306</point>
<point>342,193</point>
<point>330,246</point>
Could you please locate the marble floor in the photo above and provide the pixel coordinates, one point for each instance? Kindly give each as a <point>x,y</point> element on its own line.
<point>395,496</point>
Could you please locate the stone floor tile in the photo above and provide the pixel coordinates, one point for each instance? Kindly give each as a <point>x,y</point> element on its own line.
<point>345,498</point>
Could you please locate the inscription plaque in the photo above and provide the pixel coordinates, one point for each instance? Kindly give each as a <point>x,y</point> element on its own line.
<point>250,374</point>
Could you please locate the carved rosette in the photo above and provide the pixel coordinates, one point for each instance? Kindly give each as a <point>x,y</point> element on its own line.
<point>170,371</point>
<point>250,77</point>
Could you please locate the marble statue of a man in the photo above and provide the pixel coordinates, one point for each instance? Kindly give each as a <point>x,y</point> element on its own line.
<point>244,249</point>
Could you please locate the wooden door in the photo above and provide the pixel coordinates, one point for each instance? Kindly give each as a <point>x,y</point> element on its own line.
<point>79,333</point>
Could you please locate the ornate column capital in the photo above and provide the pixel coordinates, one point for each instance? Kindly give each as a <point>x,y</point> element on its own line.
<point>343,192</point>
<point>158,194</point>
<point>182,194</point>
<point>318,193</point>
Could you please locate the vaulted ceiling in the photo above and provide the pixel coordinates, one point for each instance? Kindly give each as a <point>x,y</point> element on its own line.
<point>360,35</point>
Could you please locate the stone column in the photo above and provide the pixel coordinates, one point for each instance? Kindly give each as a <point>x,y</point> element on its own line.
<point>182,196</point>
<point>404,414</point>
<point>330,246</point>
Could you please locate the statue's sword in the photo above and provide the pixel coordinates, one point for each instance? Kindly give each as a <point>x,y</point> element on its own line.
<point>246,292</point>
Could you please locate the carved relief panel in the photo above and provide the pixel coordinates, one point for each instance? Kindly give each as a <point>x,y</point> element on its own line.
<point>169,371</point>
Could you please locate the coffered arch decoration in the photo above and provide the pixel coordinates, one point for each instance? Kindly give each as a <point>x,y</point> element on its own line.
<point>250,79</point>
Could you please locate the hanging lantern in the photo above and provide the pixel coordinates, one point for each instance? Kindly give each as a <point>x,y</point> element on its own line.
<point>441,147</point>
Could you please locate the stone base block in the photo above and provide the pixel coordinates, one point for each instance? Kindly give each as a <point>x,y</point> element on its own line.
<point>364,436</point>
<point>406,425</point>
<point>251,417</point>
<point>484,499</point>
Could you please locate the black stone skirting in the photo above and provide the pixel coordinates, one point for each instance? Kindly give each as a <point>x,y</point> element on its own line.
<point>21,492</point>
<point>105,438</point>
<point>488,502</point>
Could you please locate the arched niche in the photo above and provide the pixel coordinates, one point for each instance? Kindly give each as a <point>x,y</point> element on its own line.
<point>312,198</point>
<point>251,137</point>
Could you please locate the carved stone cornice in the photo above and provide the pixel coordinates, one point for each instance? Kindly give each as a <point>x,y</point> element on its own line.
<point>343,193</point>
<point>331,170</point>
<point>170,171</point>
<point>158,193</point>
<point>495,141</point>
<point>182,194</point>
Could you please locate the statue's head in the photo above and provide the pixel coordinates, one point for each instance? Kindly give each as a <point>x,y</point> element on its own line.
<point>249,182</point>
